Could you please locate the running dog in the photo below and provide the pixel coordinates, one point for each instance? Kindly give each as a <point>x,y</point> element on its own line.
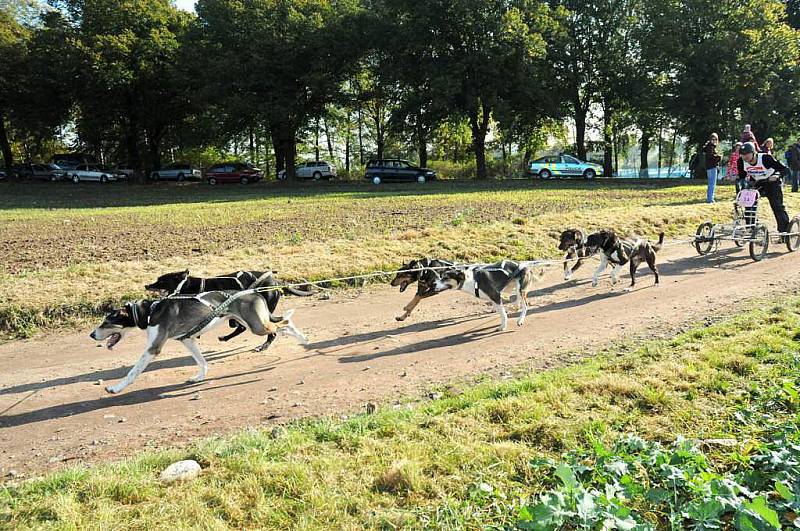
<point>619,252</point>
<point>573,243</point>
<point>417,271</point>
<point>488,282</point>
<point>181,283</point>
<point>178,319</point>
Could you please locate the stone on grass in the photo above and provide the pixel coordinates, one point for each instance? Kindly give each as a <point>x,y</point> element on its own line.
<point>181,471</point>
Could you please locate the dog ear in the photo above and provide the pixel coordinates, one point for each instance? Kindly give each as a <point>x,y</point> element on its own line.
<point>185,272</point>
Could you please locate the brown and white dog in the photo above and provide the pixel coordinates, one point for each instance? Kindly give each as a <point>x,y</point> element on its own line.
<point>425,272</point>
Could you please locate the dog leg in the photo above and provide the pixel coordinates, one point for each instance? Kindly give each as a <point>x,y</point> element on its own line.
<point>523,310</point>
<point>600,269</point>
<point>567,267</point>
<point>651,263</point>
<point>634,266</point>
<point>239,329</point>
<point>197,354</point>
<point>265,345</point>
<point>503,316</point>
<point>614,271</point>
<point>409,308</point>
<point>154,345</point>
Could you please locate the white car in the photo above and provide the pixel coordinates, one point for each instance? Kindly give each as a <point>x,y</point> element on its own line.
<point>91,172</point>
<point>564,166</point>
<point>312,170</point>
<point>177,172</point>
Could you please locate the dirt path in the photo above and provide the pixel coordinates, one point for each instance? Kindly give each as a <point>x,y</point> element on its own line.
<point>52,410</point>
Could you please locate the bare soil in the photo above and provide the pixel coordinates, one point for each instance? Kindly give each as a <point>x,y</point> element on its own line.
<point>54,411</point>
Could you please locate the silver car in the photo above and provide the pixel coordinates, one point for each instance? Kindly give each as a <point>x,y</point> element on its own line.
<point>91,172</point>
<point>176,172</point>
<point>312,170</point>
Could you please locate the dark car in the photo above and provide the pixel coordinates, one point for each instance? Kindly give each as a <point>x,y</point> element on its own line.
<point>43,172</point>
<point>380,170</point>
<point>233,172</point>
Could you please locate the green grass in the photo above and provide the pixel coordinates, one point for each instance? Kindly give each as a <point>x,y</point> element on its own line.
<point>81,247</point>
<point>463,461</point>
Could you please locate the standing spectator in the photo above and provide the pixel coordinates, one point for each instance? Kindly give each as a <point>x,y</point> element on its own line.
<point>711,152</point>
<point>732,171</point>
<point>749,136</point>
<point>794,164</point>
<point>768,147</point>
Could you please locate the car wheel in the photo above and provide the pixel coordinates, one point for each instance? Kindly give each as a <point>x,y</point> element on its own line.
<point>421,179</point>
<point>181,177</point>
<point>244,180</point>
<point>155,176</point>
<point>317,176</point>
<point>589,174</point>
<point>103,179</point>
<point>76,178</point>
<point>282,176</point>
<point>212,181</point>
<point>376,179</point>
<point>545,174</point>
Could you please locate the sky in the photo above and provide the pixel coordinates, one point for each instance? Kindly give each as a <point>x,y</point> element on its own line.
<point>186,5</point>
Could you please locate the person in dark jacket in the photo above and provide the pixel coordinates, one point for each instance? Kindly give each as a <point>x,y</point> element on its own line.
<point>713,157</point>
<point>794,164</point>
<point>764,174</point>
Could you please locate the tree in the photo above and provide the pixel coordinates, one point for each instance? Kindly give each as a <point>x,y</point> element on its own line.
<point>130,51</point>
<point>13,51</point>
<point>286,58</point>
<point>470,52</point>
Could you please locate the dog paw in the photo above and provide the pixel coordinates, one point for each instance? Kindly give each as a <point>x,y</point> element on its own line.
<point>400,318</point>
<point>196,379</point>
<point>628,289</point>
<point>112,389</point>
<point>595,283</point>
<point>222,338</point>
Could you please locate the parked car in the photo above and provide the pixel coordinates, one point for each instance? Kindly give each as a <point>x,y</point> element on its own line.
<point>44,172</point>
<point>379,170</point>
<point>3,175</point>
<point>233,172</point>
<point>564,166</point>
<point>177,172</point>
<point>312,170</point>
<point>70,161</point>
<point>91,172</point>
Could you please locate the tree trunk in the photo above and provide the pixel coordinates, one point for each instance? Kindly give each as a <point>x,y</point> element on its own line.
<point>266,158</point>
<point>644,154</point>
<point>280,157</point>
<point>580,129</point>
<point>347,147</point>
<point>422,146</point>
<point>360,136</point>
<point>5,146</point>
<point>287,136</point>
<point>526,161</point>
<point>252,145</point>
<point>132,147</point>
<point>479,122</point>
<point>328,138</point>
<point>660,148</point>
<point>316,140</point>
<point>607,143</point>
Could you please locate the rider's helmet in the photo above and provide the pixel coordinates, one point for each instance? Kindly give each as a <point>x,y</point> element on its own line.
<point>747,147</point>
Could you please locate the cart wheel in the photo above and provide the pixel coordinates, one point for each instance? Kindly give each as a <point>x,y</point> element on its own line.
<point>759,243</point>
<point>793,238</point>
<point>704,238</point>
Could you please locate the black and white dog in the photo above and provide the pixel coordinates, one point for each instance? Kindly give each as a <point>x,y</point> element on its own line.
<point>181,283</point>
<point>488,282</point>
<point>178,319</point>
<point>419,271</point>
<point>618,252</point>
<point>573,243</point>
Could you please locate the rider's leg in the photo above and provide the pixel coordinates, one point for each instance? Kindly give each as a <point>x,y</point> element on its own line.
<point>774,193</point>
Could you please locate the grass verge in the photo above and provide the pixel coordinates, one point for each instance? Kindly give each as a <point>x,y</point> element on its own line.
<point>473,459</point>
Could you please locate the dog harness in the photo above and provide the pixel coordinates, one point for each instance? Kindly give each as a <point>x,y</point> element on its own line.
<point>215,312</point>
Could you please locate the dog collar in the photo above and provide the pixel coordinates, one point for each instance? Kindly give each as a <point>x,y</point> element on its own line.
<point>137,316</point>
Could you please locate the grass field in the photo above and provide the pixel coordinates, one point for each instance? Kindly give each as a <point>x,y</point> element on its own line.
<point>540,451</point>
<point>70,251</point>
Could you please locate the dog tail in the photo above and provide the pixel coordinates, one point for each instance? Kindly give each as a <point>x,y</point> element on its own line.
<point>287,290</point>
<point>657,246</point>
